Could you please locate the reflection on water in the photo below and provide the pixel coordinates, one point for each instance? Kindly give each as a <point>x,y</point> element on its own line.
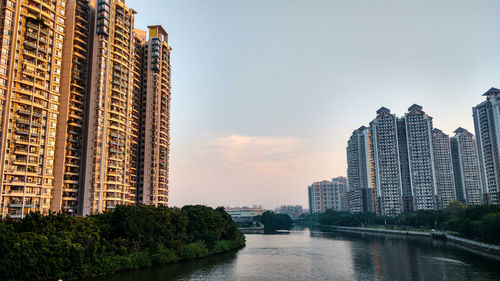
<point>316,254</point>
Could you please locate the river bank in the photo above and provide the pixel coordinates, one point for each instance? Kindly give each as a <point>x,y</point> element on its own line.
<point>486,248</point>
<point>58,246</point>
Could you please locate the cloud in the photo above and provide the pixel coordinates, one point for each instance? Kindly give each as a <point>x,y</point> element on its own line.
<point>272,156</point>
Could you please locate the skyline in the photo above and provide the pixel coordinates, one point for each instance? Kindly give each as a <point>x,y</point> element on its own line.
<point>244,134</point>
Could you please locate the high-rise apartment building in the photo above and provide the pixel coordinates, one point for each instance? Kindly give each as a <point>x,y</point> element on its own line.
<point>487,128</point>
<point>404,165</point>
<point>385,150</point>
<point>466,167</point>
<point>360,172</point>
<point>326,195</point>
<point>30,81</point>
<point>110,173</point>
<point>155,140</point>
<point>420,158</point>
<point>75,79</point>
<point>79,87</point>
<point>443,168</point>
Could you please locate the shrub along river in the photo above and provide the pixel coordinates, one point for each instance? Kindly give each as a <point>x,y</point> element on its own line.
<point>313,254</point>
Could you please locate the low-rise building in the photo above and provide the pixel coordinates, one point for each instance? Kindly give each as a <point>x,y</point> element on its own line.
<point>244,213</point>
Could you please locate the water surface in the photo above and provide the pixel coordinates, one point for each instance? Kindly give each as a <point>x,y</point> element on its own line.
<point>305,254</point>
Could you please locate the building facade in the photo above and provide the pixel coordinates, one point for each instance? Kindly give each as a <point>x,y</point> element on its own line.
<point>293,211</point>
<point>387,170</point>
<point>420,158</point>
<point>76,79</point>
<point>404,165</point>
<point>444,168</point>
<point>70,145</point>
<point>155,140</point>
<point>360,172</point>
<point>326,195</point>
<point>109,167</point>
<point>244,213</point>
<point>30,83</point>
<point>487,127</point>
<point>466,167</point>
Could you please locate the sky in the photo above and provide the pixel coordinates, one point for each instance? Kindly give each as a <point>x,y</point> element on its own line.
<point>266,93</point>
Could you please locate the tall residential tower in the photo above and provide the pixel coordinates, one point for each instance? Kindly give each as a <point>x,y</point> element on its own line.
<point>385,150</point>
<point>155,121</point>
<point>109,171</point>
<point>75,79</point>
<point>487,127</point>
<point>444,168</point>
<point>420,158</point>
<point>466,167</point>
<point>360,171</point>
<point>30,82</point>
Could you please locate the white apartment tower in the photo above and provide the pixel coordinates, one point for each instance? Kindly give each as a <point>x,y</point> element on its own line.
<point>466,168</point>
<point>443,168</point>
<point>385,154</point>
<point>420,158</point>
<point>487,127</point>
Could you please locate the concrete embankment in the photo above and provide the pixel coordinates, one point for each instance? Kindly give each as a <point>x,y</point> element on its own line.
<point>252,230</point>
<point>479,246</point>
<point>470,244</point>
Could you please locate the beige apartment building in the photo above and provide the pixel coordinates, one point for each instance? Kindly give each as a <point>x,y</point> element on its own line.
<point>155,140</point>
<point>30,77</point>
<point>109,178</point>
<point>76,81</point>
<point>69,152</point>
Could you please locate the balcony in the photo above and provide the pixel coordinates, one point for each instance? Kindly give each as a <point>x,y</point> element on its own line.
<point>22,131</point>
<point>30,44</point>
<point>23,121</point>
<point>23,111</point>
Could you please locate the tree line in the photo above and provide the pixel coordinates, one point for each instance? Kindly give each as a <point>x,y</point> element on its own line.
<point>273,222</point>
<point>476,222</point>
<point>130,237</point>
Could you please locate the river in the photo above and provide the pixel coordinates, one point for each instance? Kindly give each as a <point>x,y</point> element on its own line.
<point>312,254</point>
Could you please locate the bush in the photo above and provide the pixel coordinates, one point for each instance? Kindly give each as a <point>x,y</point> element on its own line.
<point>60,246</point>
<point>272,221</point>
<point>194,250</point>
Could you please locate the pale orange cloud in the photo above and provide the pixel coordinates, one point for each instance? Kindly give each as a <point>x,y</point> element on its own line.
<point>269,156</point>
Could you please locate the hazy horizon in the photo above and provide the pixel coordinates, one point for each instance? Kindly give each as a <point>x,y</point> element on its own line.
<point>266,93</point>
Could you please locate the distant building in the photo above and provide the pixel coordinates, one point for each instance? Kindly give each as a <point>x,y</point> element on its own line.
<point>244,213</point>
<point>444,168</point>
<point>404,165</point>
<point>328,195</point>
<point>487,127</point>
<point>291,210</point>
<point>387,170</point>
<point>421,158</point>
<point>466,167</point>
<point>360,172</point>
<point>340,184</point>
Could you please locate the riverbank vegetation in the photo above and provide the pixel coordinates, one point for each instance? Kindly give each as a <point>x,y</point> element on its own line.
<point>480,223</point>
<point>130,237</point>
<point>273,222</point>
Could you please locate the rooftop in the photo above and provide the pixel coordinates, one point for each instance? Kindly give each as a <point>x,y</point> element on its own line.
<point>460,130</point>
<point>492,91</point>
<point>383,109</point>
<point>415,106</point>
